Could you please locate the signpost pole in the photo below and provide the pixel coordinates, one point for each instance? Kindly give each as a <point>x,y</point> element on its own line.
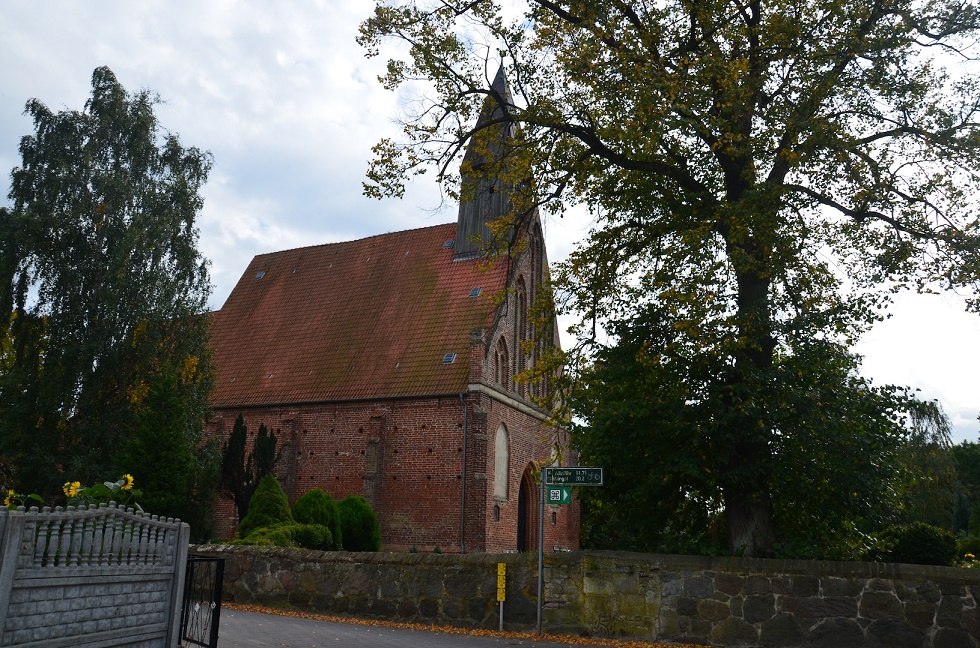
<point>501,590</point>
<point>544,472</point>
<point>567,476</point>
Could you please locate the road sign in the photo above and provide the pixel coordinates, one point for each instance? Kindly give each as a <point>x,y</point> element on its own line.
<point>501,582</point>
<point>559,495</point>
<point>573,476</point>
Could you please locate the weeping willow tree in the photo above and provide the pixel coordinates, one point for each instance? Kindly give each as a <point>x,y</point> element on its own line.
<point>762,175</point>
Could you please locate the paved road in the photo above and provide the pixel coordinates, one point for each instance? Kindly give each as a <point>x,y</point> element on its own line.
<point>240,629</point>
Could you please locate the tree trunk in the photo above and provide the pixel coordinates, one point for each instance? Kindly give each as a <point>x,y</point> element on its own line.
<point>749,517</point>
<point>747,488</point>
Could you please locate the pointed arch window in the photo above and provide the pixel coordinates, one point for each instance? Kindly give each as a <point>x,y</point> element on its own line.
<point>501,462</point>
<point>522,332</point>
<point>502,371</point>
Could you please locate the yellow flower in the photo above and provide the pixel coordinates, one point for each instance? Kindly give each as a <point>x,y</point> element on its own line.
<point>969,556</point>
<point>127,482</point>
<point>71,488</point>
<point>9,499</point>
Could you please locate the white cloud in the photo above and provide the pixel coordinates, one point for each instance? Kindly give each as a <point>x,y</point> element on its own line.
<point>932,344</point>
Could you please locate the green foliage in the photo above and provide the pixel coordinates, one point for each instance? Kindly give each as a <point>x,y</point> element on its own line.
<point>270,521</point>
<point>305,536</point>
<point>233,478</point>
<point>917,543</point>
<point>314,536</point>
<point>739,162</point>
<point>967,458</point>
<point>359,525</point>
<point>103,295</point>
<point>317,507</point>
<point>242,471</point>
<point>929,485</point>
<point>178,472</point>
<point>835,468</point>
<point>268,507</point>
<point>272,536</point>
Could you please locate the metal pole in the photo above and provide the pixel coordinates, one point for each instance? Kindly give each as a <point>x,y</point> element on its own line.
<point>544,472</point>
<point>462,495</point>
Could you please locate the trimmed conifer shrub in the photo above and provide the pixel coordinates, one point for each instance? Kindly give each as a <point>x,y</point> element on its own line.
<point>307,536</point>
<point>359,527</point>
<point>268,507</point>
<point>314,536</point>
<point>317,507</point>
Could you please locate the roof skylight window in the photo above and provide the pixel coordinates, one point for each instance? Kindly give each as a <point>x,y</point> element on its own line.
<point>448,243</point>
<point>260,275</point>
<point>449,358</point>
<point>476,292</point>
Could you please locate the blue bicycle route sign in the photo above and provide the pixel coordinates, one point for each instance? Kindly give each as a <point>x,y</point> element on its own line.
<point>574,476</point>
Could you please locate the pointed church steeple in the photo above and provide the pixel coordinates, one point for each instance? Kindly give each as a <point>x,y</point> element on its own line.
<point>485,189</point>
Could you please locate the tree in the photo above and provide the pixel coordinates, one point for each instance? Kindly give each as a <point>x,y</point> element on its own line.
<point>967,457</point>
<point>839,451</point>
<point>104,295</point>
<point>178,471</point>
<point>241,471</point>
<point>929,489</point>
<point>766,170</point>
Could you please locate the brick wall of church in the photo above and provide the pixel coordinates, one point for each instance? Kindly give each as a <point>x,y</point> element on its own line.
<point>405,457</point>
<point>529,441</point>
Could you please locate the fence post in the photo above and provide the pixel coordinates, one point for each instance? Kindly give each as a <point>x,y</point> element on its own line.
<point>177,591</point>
<point>11,532</point>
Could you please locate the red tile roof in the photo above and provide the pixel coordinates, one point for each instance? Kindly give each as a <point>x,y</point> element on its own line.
<point>364,319</point>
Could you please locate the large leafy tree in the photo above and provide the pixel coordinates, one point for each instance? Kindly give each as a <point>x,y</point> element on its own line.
<point>766,171</point>
<point>653,417</point>
<point>104,361</point>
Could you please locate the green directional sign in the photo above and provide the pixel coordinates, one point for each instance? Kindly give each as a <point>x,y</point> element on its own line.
<point>573,476</point>
<point>559,495</point>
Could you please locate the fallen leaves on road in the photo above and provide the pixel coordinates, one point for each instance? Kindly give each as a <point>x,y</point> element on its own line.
<point>570,640</point>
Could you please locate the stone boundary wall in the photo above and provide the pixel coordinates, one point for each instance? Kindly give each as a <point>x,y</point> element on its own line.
<point>711,601</point>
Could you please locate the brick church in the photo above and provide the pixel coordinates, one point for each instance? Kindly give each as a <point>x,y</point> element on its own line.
<point>387,367</point>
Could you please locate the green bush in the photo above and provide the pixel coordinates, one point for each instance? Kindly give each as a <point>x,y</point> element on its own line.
<point>317,507</point>
<point>314,536</point>
<point>358,525</point>
<point>275,536</point>
<point>917,543</point>
<point>307,536</point>
<point>268,507</point>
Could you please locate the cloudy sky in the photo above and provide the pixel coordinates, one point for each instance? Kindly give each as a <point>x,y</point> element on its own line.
<point>285,100</point>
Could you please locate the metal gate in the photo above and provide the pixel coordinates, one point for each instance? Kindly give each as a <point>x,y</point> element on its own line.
<point>201,610</point>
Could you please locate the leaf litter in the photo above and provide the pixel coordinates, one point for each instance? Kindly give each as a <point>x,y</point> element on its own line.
<point>565,639</point>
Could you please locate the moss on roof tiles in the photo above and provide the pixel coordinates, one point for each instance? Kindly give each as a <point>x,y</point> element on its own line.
<point>370,318</point>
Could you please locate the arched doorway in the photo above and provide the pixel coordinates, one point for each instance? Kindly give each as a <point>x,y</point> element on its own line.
<point>527,500</point>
